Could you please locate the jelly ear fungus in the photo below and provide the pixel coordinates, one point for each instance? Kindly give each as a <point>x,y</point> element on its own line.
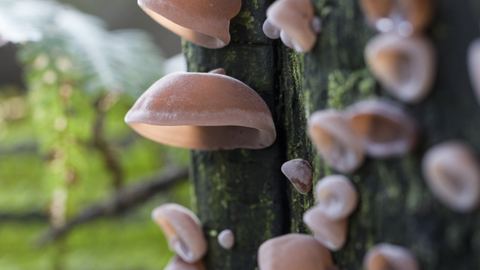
<point>203,22</point>
<point>203,111</point>
<point>400,57</point>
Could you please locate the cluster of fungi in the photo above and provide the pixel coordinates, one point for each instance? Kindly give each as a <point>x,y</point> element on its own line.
<point>212,111</point>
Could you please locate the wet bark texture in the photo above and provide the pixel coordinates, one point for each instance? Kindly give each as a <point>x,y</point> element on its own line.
<point>244,190</point>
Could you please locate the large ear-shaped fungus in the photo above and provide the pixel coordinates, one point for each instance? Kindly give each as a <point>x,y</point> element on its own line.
<point>203,22</point>
<point>204,111</point>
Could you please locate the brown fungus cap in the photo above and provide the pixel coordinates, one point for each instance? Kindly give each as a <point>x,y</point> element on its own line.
<point>226,239</point>
<point>417,13</point>
<point>203,22</point>
<point>294,17</point>
<point>183,231</point>
<point>335,139</point>
<point>176,263</point>
<point>452,173</point>
<point>331,233</point>
<point>300,173</point>
<point>203,111</point>
<point>389,257</point>
<point>293,251</point>
<point>385,129</point>
<point>404,66</point>
<point>337,196</point>
<point>270,30</point>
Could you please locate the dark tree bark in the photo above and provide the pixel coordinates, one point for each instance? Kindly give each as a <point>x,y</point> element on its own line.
<point>244,190</point>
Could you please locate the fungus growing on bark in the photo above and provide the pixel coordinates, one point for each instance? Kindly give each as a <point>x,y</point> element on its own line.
<point>294,18</point>
<point>293,251</point>
<point>204,111</point>
<point>203,22</point>
<point>406,16</point>
<point>385,129</point>
<point>337,197</point>
<point>270,30</point>
<point>335,139</point>
<point>226,239</point>
<point>183,231</point>
<point>452,173</point>
<point>176,263</point>
<point>389,257</point>
<point>287,41</point>
<point>331,233</point>
<point>474,66</point>
<point>404,66</point>
<point>300,173</point>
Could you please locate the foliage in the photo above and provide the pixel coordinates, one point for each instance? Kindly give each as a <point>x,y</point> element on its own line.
<point>125,61</point>
<point>59,140</point>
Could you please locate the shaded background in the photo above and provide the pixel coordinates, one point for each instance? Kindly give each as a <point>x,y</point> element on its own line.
<point>40,157</point>
<point>118,14</point>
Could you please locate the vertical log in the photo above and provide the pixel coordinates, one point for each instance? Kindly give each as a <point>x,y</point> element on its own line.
<point>244,190</point>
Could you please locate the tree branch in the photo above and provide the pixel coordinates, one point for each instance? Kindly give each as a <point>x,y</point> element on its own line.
<point>112,163</point>
<point>24,217</point>
<point>124,199</point>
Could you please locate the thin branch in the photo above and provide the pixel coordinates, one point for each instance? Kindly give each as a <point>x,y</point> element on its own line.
<point>112,163</point>
<point>24,217</point>
<point>17,149</point>
<point>125,199</point>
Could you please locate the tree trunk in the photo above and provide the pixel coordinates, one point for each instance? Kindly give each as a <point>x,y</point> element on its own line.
<point>245,191</point>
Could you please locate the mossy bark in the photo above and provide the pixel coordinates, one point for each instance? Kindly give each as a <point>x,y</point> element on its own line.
<point>244,190</point>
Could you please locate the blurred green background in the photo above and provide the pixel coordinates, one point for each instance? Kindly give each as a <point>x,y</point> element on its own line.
<point>65,150</point>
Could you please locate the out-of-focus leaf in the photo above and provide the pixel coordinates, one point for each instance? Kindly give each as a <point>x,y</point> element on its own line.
<point>121,61</point>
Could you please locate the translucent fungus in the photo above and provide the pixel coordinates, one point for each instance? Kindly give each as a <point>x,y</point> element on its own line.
<point>204,22</point>
<point>204,111</point>
<point>300,173</point>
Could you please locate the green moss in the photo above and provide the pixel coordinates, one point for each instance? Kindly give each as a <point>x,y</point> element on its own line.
<point>337,86</point>
<point>343,87</point>
<point>244,18</point>
<point>297,62</point>
<point>213,233</point>
<point>327,169</point>
<point>365,204</point>
<point>414,195</point>
<point>255,4</point>
<point>325,12</point>
<point>308,104</point>
<point>270,220</point>
<point>366,84</point>
<point>231,56</point>
<point>389,181</point>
